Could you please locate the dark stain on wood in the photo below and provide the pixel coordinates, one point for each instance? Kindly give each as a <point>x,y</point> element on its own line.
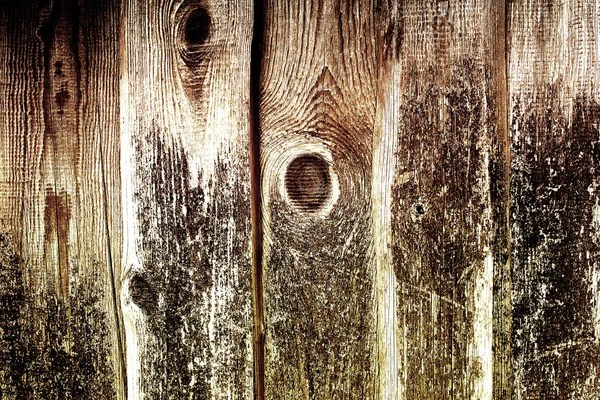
<point>57,218</point>
<point>46,34</point>
<point>51,351</point>
<point>390,15</point>
<point>14,336</point>
<point>142,294</point>
<point>58,68</point>
<point>554,183</point>
<point>314,357</point>
<point>59,27</point>
<point>61,97</point>
<point>182,250</point>
<point>436,217</point>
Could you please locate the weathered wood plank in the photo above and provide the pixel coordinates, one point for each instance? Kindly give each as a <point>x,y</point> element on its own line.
<point>388,37</point>
<point>499,171</point>
<point>186,181</point>
<point>446,123</point>
<point>554,88</point>
<point>59,66</point>
<point>317,110</point>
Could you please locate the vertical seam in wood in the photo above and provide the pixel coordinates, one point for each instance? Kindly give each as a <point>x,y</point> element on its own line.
<point>508,161</point>
<point>502,331</point>
<point>78,98</point>
<point>505,117</point>
<point>47,125</point>
<point>255,193</point>
<point>115,296</point>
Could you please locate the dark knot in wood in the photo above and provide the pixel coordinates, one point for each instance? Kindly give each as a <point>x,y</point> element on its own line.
<point>308,182</point>
<point>420,209</point>
<point>197,28</point>
<point>142,294</point>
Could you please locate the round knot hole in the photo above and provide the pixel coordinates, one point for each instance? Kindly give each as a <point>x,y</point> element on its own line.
<point>308,183</point>
<point>197,28</point>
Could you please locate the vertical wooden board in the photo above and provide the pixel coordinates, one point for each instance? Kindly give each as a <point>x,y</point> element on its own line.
<point>20,92</point>
<point>554,88</point>
<point>57,280</point>
<point>186,193</point>
<point>446,122</point>
<point>316,117</point>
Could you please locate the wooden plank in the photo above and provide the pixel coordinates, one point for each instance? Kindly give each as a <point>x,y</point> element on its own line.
<point>446,121</point>
<point>316,117</point>
<point>554,88</point>
<point>389,36</point>
<point>186,182</point>
<point>56,288</point>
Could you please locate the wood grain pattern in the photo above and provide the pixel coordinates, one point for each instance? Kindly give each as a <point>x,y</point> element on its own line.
<point>186,195</point>
<point>426,171</point>
<point>554,77</point>
<point>60,334</point>
<point>317,109</point>
<point>446,116</point>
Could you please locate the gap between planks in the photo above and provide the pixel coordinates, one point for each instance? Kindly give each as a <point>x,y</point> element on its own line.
<point>255,191</point>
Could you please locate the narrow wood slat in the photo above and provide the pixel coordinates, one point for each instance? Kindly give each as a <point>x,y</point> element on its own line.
<point>554,88</point>
<point>60,326</point>
<point>316,117</point>
<point>445,118</point>
<point>186,181</point>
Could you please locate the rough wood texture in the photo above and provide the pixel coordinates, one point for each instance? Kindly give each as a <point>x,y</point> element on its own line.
<point>317,110</point>
<point>426,170</point>
<point>448,121</point>
<point>554,87</point>
<point>185,158</point>
<point>60,333</point>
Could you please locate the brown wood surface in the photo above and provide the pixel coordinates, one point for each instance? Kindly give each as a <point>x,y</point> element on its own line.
<point>554,93</point>
<point>185,162</point>
<point>447,92</point>
<point>317,110</point>
<point>305,199</point>
<point>60,330</point>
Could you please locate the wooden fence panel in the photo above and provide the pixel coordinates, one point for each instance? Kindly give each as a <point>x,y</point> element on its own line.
<point>186,195</point>
<point>317,110</point>
<point>446,126</point>
<point>554,89</point>
<point>60,334</point>
<point>428,169</point>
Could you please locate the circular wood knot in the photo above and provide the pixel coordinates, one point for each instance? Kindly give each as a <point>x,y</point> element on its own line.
<point>142,294</point>
<point>420,209</point>
<point>197,28</point>
<point>308,183</point>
